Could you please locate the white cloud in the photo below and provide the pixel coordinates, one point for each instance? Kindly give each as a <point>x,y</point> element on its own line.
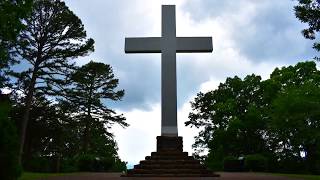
<point>139,139</point>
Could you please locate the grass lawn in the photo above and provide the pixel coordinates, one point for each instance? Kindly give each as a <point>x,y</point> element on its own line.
<point>35,176</point>
<point>301,176</point>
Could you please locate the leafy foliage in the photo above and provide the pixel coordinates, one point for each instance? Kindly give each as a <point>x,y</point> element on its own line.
<point>308,11</point>
<point>53,36</point>
<point>60,107</point>
<point>255,162</point>
<point>232,164</point>
<point>10,168</point>
<point>277,118</point>
<point>11,13</point>
<point>54,144</point>
<point>231,117</point>
<point>88,86</point>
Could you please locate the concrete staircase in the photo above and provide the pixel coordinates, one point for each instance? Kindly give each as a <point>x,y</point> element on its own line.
<point>169,161</point>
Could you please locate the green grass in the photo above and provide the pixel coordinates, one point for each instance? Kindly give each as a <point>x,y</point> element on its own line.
<point>35,176</point>
<point>300,176</point>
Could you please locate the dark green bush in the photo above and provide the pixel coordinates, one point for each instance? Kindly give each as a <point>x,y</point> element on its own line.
<point>292,165</point>
<point>38,164</point>
<point>68,165</point>
<point>214,160</point>
<point>119,166</point>
<point>232,164</point>
<point>87,162</point>
<point>255,162</point>
<point>9,144</point>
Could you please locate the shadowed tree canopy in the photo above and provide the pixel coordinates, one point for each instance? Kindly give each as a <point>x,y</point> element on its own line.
<point>231,116</point>
<point>278,118</point>
<point>308,11</point>
<point>295,112</point>
<point>11,13</point>
<point>53,36</point>
<point>89,85</point>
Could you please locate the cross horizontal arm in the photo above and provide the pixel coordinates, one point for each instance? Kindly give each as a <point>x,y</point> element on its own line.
<point>143,45</point>
<point>194,44</point>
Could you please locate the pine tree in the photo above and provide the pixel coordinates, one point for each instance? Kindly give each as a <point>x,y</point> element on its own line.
<point>91,84</point>
<point>53,36</point>
<point>11,13</point>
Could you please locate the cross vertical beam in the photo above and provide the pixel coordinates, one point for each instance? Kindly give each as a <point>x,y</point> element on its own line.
<point>168,73</point>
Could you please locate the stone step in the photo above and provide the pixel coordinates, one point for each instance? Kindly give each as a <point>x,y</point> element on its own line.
<point>169,161</point>
<point>169,153</point>
<point>169,171</point>
<point>163,162</point>
<point>169,166</point>
<point>173,175</point>
<point>169,157</point>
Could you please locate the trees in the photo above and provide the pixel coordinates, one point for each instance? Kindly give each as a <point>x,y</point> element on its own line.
<point>11,13</point>
<point>278,117</point>
<point>295,113</point>
<point>296,123</point>
<point>53,36</point>
<point>10,168</point>
<point>308,11</point>
<point>49,135</point>
<point>90,84</point>
<point>61,121</point>
<point>232,117</point>
<point>71,133</point>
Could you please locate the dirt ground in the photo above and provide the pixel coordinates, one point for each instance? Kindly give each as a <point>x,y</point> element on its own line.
<point>223,176</point>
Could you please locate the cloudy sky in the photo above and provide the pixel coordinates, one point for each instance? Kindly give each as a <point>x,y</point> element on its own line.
<point>249,36</point>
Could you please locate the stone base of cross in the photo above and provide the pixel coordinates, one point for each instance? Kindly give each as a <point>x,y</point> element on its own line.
<point>168,45</point>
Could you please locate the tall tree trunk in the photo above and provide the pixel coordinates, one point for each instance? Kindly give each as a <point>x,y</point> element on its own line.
<point>25,118</point>
<point>87,122</point>
<point>58,163</point>
<point>86,136</point>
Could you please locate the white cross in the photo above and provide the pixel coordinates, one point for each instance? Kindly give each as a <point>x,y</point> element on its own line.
<point>168,45</point>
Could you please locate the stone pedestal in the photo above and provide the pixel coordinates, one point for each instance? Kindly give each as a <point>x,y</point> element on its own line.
<point>169,161</point>
<point>166,143</point>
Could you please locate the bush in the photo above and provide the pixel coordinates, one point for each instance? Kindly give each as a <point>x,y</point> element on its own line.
<point>214,160</point>
<point>38,164</point>
<point>255,162</point>
<point>292,165</point>
<point>68,165</point>
<point>119,166</point>
<point>87,162</point>
<point>10,168</point>
<point>232,164</point>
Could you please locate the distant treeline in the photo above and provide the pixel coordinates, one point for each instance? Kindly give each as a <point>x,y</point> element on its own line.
<point>262,125</point>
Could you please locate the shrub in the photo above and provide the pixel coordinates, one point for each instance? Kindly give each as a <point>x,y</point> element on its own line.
<point>292,164</point>
<point>10,168</point>
<point>88,162</point>
<point>255,162</point>
<point>38,164</point>
<point>119,166</point>
<point>214,160</point>
<point>68,165</point>
<point>232,164</point>
<point>85,162</point>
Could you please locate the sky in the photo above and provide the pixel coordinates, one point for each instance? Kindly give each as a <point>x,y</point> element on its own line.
<point>249,36</point>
